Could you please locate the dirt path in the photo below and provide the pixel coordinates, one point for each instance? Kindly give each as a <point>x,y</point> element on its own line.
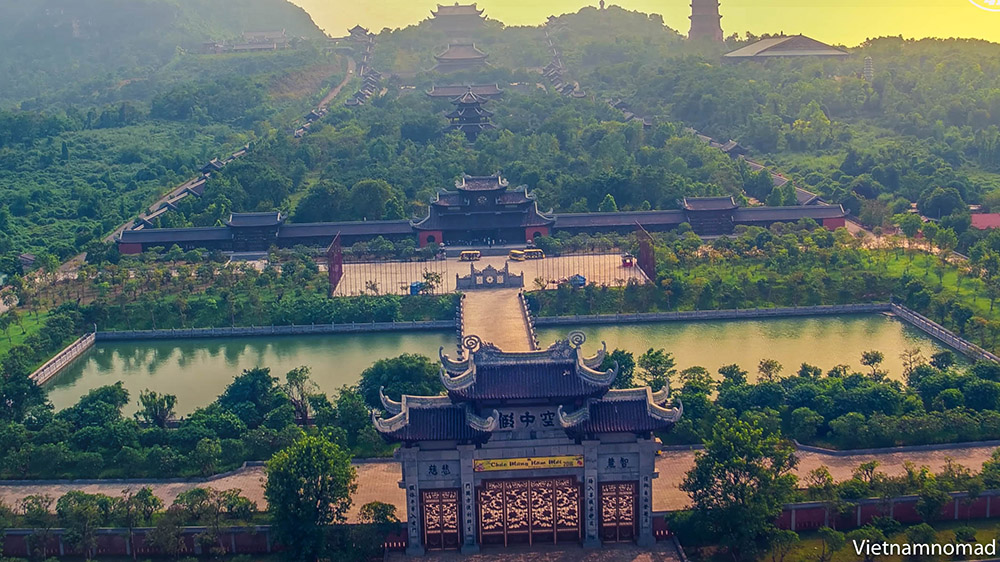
<point>495,316</point>
<point>336,90</point>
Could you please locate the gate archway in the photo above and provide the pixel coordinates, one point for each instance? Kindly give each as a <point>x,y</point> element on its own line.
<point>543,510</point>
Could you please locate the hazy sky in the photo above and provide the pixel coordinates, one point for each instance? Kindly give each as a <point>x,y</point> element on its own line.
<point>837,21</point>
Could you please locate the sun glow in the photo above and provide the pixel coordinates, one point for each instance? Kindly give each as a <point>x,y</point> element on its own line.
<point>847,22</point>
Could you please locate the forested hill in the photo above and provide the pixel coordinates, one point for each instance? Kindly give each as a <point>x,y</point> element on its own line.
<point>69,50</point>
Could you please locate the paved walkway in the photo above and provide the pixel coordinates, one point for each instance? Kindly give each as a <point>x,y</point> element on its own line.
<point>661,552</point>
<point>495,316</point>
<point>379,481</point>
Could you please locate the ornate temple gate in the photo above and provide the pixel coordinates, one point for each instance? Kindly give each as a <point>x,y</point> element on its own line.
<point>618,502</point>
<point>440,515</point>
<point>542,510</point>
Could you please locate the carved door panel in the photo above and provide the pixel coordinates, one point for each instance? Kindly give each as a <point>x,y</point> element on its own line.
<point>618,520</point>
<point>516,512</point>
<point>543,510</point>
<point>441,519</point>
<point>529,511</point>
<point>568,500</point>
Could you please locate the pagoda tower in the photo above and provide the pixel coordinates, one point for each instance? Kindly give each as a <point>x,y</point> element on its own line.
<point>469,115</point>
<point>706,23</point>
<point>869,73</point>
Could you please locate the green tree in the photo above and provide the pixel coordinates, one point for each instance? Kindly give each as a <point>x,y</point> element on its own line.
<point>831,541</point>
<point>659,368</point>
<point>782,544</point>
<point>81,514</point>
<point>406,374</point>
<point>626,368</point>
<point>155,408</point>
<point>298,388</point>
<point>867,533</point>
<point>136,509</point>
<point>309,486</point>
<point>739,485</point>
<point>932,499</point>
<point>167,536</point>
<point>36,512</point>
<point>872,359</point>
<point>769,369</point>
<point>803,423</point>
<point>206,456</point>
<point>608,205</point>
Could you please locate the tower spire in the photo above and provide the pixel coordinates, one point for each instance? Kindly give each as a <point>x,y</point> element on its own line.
<point>706,23</point>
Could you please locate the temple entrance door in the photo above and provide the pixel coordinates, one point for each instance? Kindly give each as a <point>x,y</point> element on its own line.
<point>618,521</point>
<point>440,517</point>
<point>544,510</point>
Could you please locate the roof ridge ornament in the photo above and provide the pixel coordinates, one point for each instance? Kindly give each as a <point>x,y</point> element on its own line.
<point>472,343</point>
<point>388,404</point>
<point>573,419</point>
<point>672,415</point>
<point>596,361</point>
<point>453,364</point>
<point>462,381</point>
<point>487,425</point>
<point>390,425</point>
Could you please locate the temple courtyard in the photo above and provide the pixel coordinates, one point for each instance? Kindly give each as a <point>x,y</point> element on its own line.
<point>396,277</point>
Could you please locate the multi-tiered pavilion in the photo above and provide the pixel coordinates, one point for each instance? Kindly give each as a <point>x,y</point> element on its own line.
<point>469,115</point>
<point>460,20</point>
<point>483,208</point>
<point>527,448</point>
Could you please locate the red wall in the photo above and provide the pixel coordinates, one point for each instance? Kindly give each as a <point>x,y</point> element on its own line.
<point>425,234</point>
<point>834,224</point>
<point>529,233</point>
<point>904,510</point>
<point>130,248</point>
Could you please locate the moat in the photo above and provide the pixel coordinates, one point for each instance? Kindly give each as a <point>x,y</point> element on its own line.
<point>198,370</point>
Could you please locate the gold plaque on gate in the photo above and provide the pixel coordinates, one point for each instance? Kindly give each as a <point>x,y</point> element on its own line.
<point>528,463</point>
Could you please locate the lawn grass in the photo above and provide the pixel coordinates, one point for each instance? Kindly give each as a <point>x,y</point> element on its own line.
<point>809,546</point>
<point>16,335</point>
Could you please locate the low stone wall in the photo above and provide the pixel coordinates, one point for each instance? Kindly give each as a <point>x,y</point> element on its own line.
<point>51,368</point>
<point>893,450</point>
<point>529,320</point>
<point>294,330</point>
<point>696,315</point>
<point>941,333</point>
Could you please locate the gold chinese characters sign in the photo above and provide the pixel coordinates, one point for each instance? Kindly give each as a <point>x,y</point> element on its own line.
<point>528,463</point>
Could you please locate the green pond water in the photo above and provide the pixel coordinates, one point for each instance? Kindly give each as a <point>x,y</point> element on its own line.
<point>822,341</point>
<point>197,371</point>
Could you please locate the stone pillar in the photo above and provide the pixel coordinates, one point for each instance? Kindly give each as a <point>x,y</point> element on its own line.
<point>468,499</point>
<point>647,467</point>
<point>414,540</point>
<point>591,497</point>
